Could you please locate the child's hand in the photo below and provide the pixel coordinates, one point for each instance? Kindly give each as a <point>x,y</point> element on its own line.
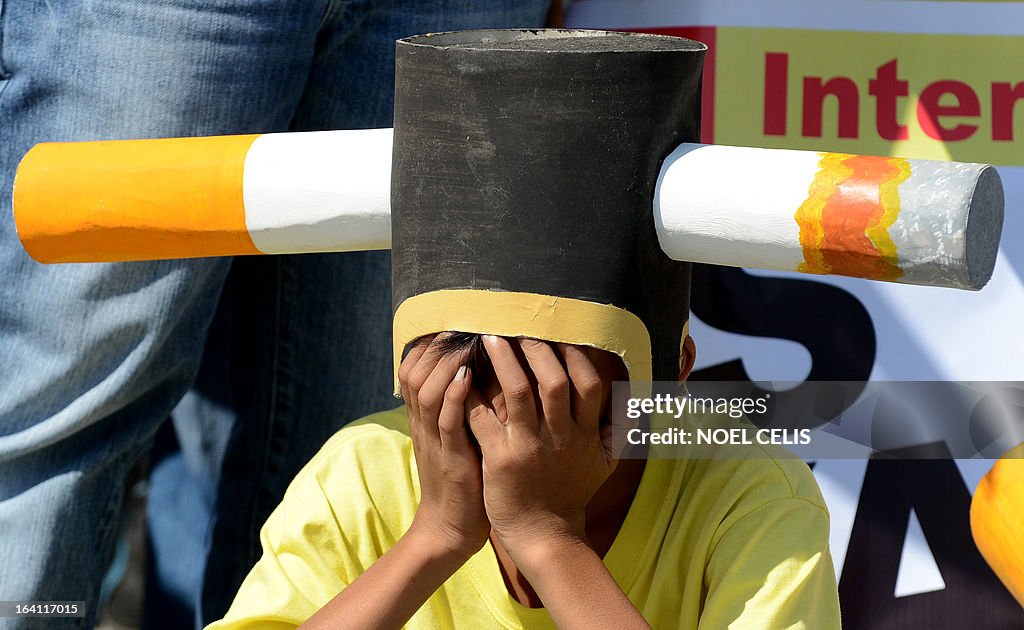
<point>451,511</point>
<point>543,462</point>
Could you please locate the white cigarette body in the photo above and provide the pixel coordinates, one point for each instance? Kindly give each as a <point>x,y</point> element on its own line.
<point>912,221</point>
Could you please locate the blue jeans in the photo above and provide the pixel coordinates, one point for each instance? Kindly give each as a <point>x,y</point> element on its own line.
<point>94,357</point>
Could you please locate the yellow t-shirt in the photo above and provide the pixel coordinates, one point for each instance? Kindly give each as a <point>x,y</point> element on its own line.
<point>710,543</point>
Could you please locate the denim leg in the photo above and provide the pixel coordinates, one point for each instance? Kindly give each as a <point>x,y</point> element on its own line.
<point>93,357</point>
<point>317,326</point>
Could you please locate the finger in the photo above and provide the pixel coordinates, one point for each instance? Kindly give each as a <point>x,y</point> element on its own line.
<point>515,385</point>
<point>430,398</point>
<point>552,383</point>
<point>451,424</point>
<point>409,362</point>
<point>585,384</point>
<point>486,427</point>
<point>419,346</point>
<point>418,372</point>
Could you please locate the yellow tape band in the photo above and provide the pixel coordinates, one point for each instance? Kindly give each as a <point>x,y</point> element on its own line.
<point>511,314</point>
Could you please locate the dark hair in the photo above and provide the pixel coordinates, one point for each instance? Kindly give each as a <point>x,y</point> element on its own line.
<point>469,344</point>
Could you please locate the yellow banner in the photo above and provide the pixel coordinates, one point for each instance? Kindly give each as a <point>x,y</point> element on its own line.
<point>922,96</point>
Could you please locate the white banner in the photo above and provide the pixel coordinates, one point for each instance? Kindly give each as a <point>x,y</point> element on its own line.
<point>918,79</point>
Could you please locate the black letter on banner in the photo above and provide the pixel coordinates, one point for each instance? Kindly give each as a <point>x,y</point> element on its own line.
<point>973,598</point>
<point>830,322</point>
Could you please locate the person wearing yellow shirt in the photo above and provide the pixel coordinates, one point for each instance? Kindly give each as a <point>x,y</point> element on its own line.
<point>493,500</point>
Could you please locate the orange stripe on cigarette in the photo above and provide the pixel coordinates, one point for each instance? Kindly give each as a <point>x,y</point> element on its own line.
<point>133,199</point>
<point>844,222</point>
<point>997,520</point>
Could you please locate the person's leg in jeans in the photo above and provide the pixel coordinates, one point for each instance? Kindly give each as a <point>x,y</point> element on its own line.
<point>93,357</point>
<point>323,321</point>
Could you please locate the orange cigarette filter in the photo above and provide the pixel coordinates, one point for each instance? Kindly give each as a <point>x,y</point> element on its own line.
<point>134,200</point>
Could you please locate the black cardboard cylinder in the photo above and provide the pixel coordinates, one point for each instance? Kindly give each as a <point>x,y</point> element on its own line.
<point>526,161</point>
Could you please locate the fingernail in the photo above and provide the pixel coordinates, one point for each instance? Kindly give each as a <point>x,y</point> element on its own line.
<point>461,374</point>
<point>491,338</point>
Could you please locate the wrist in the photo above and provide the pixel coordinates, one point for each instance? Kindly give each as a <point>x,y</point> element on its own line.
<point>441,543</point>
<point>541,529</point>
<point>535,553</point>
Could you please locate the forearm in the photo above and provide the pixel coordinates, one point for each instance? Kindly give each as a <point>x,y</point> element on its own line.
<point>570,577</point>
<point>388,593</point>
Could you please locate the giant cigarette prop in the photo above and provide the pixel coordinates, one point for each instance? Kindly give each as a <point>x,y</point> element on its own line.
<point>911,221</point>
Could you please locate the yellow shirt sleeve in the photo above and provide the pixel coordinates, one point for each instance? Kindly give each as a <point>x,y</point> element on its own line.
<point>311,549</point>
<point>297,572</point>
<point>772,569</point>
